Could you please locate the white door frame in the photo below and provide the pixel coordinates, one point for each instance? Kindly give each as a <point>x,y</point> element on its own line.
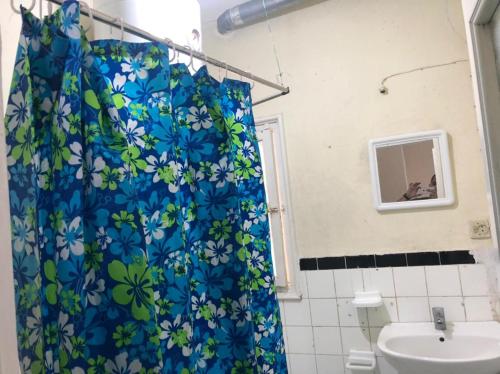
<point>478,14</point>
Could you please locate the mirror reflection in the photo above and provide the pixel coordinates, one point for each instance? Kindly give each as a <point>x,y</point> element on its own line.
<point>410,171</point>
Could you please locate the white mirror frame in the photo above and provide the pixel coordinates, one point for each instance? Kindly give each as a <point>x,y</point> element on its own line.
<point>442,138</point>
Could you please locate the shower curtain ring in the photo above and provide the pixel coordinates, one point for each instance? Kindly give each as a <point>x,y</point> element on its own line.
<point>122,30</point>
<point>191,61</point>
<point>18,10</point>
<point>190,65</point>
<point>252,82</point>
<point>91,15</point>
<point>171,44</point>
<point>220,70</point>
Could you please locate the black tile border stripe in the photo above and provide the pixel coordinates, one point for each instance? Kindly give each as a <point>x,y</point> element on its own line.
<point>390,260</point>
<point>423,258</point>
<point>331,263</point>
<point>308,264</point>
<point>365,261</point>
<point>456,257</point>
<point>387,260</point>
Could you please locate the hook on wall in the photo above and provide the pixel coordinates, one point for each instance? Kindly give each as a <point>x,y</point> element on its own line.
<point>18,9</point>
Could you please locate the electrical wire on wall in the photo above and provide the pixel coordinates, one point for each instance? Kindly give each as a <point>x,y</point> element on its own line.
<point>383,88</point>
<point>275,50</point>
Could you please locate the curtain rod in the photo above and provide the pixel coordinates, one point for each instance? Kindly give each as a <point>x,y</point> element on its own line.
<point>131,29</point>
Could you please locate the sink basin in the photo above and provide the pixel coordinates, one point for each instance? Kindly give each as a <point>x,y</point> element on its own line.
<point>464,348</point>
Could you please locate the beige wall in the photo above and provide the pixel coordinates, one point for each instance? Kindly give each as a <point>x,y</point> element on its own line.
<point>334,56</point>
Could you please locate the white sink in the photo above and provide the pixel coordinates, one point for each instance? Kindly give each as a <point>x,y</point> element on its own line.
<point>464,348</point>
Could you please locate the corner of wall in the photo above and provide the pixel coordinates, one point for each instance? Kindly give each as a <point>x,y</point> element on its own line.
<point>491,260</point>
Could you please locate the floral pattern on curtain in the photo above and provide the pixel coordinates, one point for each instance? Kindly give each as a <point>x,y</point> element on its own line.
<point>139,222</point>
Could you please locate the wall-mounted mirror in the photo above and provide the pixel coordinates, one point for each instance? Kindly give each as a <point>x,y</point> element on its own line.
<point>411,171</point>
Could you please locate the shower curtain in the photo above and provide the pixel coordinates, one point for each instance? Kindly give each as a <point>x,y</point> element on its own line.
<point>138,214</point>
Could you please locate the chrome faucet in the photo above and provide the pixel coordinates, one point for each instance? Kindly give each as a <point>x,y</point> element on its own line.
<point>439,319</point>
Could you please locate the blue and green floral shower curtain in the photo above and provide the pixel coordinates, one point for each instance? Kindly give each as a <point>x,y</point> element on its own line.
<point>140,233</point>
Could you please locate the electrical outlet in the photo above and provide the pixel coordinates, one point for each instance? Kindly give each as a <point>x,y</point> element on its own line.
<point>480,229</point>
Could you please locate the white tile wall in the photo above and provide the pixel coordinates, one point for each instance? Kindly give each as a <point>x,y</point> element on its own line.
<point>478,308</point>
<point>374,333</point>
<point>300,339</point>
<point>454,307</point>
<point>297,313</point>
<point>302,363</point>
<point>329,364</point>
<point>410,281</point>
<point>322,327</point>
<point>381,280</point>
<point>355,338</point>
<point>324,312</point>
<point>348,281</point>
<point>443,280</point>
<point>302,277</point>
<point>413,309</point>
<point>351,316</point>
<point>320,284</point>
<point>474,282</point>
<point>384,314</point>
<point>327,340</point>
